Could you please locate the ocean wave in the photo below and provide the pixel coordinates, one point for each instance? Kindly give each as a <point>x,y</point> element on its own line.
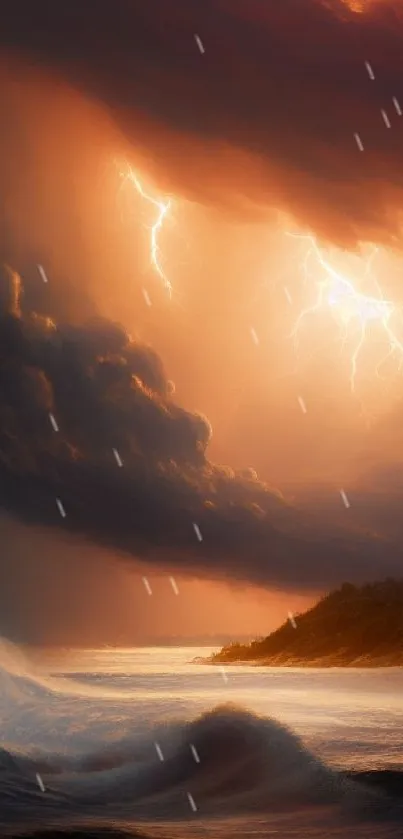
<point>227,763</point>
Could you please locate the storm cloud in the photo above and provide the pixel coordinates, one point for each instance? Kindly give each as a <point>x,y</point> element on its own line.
<point>267,113</point>
<point>92,441</point>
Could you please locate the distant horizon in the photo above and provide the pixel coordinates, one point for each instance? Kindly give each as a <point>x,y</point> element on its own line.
<point>164,641</point>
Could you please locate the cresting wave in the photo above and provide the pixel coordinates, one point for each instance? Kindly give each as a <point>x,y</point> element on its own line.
<point>247,767</point>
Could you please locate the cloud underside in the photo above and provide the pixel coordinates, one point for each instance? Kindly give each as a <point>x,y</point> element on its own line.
<point>265,117</point>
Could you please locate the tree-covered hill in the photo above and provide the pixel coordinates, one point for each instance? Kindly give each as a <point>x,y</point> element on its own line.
<point>353,626</point>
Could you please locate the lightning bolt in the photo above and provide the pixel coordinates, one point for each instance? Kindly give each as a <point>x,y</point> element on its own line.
<point>352,310</point>
<point>162,207</point>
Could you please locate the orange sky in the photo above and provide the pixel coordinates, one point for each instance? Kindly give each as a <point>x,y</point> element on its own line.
<point>71,592</point>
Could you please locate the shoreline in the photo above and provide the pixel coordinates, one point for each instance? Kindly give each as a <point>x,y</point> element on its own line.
<point>357,664</point>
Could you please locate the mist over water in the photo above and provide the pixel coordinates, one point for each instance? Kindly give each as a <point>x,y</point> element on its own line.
<point>270,745</point>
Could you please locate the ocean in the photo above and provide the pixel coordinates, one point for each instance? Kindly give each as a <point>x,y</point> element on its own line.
<point>143,742</point>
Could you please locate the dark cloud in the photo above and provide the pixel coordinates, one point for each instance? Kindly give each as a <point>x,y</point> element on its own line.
<point>283,82</point>
<point>107,392</point>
